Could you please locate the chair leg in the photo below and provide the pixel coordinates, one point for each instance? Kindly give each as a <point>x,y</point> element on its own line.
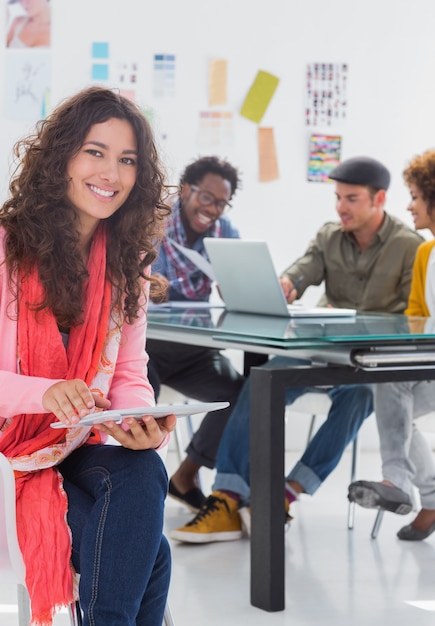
<point>179,442</point>
<point>74,610</point>
<point>179,438</point>
<point>23,606</point>
<point>311,429</point>
<point>353,470</point>
<point>167,617</point>
<point>189,426</point>
<point>377,524</point>
<point>75,614</point>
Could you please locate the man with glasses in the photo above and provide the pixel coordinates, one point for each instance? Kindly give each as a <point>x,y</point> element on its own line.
<point>205,374</point>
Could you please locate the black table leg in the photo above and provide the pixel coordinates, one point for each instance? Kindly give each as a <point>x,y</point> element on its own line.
<point>253,359</point>
<point>267,491</point>
<point>267,433</point>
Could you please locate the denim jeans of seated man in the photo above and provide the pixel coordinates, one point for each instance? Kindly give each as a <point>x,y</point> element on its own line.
<point>115,512</point>
<point>351,404</point>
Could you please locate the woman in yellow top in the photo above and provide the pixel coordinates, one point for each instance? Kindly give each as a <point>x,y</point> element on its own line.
<point>407,459</point>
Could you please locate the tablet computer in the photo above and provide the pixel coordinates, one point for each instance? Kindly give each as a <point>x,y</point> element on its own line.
<point>159,411</point>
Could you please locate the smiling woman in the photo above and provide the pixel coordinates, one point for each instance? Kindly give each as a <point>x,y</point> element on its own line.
<point>77,238</point>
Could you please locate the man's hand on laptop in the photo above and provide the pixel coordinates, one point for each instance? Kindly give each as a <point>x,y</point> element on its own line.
<point>290,291</point>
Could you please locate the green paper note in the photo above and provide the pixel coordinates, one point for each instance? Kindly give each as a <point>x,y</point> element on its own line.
<point>259,96</point>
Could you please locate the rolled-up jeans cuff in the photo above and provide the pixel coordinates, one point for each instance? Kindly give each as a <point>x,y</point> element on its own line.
<point>305,476</point>
<point>235,483</point>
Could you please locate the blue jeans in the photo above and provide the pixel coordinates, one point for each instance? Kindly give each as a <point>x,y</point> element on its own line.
<point>115,512</point>
<point>351,404</point>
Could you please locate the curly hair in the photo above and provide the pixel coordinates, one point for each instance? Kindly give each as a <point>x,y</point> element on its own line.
<point>421,173</point>
<point>42,226</point>
<point>196,171</point>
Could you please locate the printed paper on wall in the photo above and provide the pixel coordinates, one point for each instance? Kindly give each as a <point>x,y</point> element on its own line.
<point>27,85</point>
<point>324,156</point>
<point>326,85</point>
<point>215,130</point>
<point>164,75</point>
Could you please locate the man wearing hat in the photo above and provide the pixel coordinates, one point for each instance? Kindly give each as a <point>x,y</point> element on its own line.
<point>365,261</point>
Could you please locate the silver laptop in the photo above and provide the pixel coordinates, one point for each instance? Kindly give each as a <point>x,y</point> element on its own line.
<point>248,281</point>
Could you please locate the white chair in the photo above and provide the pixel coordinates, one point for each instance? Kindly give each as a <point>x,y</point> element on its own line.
<point>12,568</point>
<point>317,403</point>
<point>170,396</point>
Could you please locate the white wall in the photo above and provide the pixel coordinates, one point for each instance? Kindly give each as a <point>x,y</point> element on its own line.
<point>389,46</point>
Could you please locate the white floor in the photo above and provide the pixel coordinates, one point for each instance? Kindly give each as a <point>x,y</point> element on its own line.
<point>334,576</point>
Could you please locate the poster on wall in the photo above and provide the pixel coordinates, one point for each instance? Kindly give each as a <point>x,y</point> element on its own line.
<point>324,156</point>
<point>28,24</point>
<point>326,94</point>
<point>27,85</point>
<point>164,75</point>
<point>215,130</point>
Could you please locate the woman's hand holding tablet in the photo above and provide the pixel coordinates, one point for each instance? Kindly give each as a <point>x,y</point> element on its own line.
<point>159,411</point>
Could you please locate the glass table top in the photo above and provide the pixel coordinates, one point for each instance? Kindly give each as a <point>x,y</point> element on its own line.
<point>300,332</point>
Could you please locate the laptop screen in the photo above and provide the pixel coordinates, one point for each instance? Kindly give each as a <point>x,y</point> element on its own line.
<point>246,276</point>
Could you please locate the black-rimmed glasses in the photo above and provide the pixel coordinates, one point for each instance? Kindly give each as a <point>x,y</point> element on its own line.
<point>205,198</point>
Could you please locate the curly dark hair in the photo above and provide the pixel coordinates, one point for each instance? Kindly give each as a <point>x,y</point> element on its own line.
<point>421,173</point>
<point>42,226</point>
<point>196,171</point>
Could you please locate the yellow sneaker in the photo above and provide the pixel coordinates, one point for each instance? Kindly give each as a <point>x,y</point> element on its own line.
<point>217,520</point>
<point>245,517</point>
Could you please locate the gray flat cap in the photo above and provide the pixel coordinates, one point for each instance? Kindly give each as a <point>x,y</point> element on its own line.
<point>362,171</point>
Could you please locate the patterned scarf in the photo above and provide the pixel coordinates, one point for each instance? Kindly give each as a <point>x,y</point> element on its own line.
<point>34,449</point>
<point>195,285</point>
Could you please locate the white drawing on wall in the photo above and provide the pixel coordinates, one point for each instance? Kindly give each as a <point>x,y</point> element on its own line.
<point>27,85</point>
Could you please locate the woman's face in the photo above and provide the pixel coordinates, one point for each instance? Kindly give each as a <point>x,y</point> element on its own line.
<point>419,209</point>
<point>103,172</point>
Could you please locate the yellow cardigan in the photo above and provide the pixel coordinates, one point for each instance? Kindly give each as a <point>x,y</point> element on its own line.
<point>417,300</point>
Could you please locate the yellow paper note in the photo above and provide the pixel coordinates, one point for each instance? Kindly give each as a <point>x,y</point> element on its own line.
<point>259,96</point>
<point>267,159</point>
<point>217,82</point>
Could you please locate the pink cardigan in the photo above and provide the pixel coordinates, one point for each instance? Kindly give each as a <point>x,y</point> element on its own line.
<point>23,394</point>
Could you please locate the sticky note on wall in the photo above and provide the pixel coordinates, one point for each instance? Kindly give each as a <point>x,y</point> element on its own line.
<point>100,71</point>
<point>259,96</point>
<point>100,50</point>
<point>267,159</point>
<point>217,82</point>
